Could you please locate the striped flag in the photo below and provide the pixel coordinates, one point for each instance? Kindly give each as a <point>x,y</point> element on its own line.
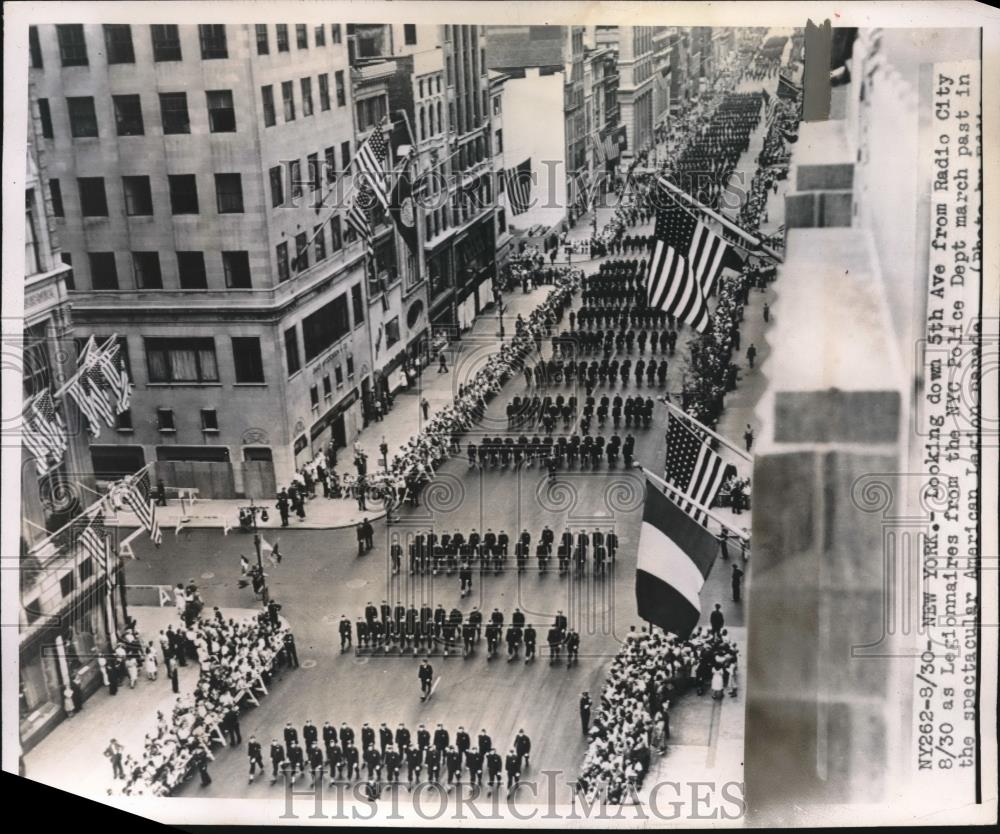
<point>686,263</point>
<point>357,215</point>
<point>693,468</point>
<point>600,155</point>
<point>674,560</point>
<point>109,361</point>
<point>44,431</point>
<point>369,166</point>
<point>519,187</point>
<point>137,494</point>
<point>94,541</point>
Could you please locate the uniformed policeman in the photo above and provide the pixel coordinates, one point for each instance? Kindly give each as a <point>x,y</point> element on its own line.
<point>345,633</point>
<point>441,737</point>
<point>296,760</point>
<point>494,764</point>
<point>384,736</point>
<point>474,763</point>
<point>255,756</point>
<point>432,760</point>
<point>572,647</point>
<point>453,761</point>
<point>522,748</point>
<point>367,736</point>
<point>476,619</point>
<point>425,674</point>
<point>316,762</point>
<point>392,761</point>
<point>530,639</point>
<point>291,735</point>
<point>423,737</point>
<point>492,639</point>
<point>513,769</point>
<point>351,760</point>
<point>277,759</point>
<point>414,764</point>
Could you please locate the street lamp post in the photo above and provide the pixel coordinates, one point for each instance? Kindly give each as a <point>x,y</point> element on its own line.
<point>252,510</point>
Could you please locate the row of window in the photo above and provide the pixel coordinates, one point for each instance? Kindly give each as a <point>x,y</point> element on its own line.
<point>288,101</point>
<point>129,121</point>
<point>138,195</point>
<point>166,42</point>
<point>148,275</point>
<point>282,41</point>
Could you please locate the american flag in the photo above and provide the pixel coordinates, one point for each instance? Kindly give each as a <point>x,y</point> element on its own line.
<point>357,215</point>
<point>692,467</point>
<point>519,187</point>
<point>138,495</point>
<point>686,263</point>
<point>112,366</point>
<point>599,153</point>
<point>94,541</point>
<point>369,167</point>
<point>44,431</point>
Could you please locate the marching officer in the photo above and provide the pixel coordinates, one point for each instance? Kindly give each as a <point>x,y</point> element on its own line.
<point>474,762</point>
<point>402,738</point>
<point>393,761</point>
<point>255,756</point>
<point>494,765</point>
<point>384,737</point>
<point>530,639</point>
<point>441,738</point>
<point>426,674</point>
<point>585,704</point>
<point>345,633</point>
<point>414,764</point>
<point>423,738</point>
<point>277,760</point>
<point>513,768</point>
<point>351,759</point>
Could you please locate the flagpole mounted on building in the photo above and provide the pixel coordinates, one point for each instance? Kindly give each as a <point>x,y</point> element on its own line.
<point>756,243</point>
<point>702,427</point>
<point>681,497</point>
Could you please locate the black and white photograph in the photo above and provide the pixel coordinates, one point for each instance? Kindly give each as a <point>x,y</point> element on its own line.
<point>564,415</point>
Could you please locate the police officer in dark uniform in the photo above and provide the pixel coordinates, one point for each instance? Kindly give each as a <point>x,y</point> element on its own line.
<point>530,639</point>
<point>494,765</point>
<point>277,760</point>
<point>255,756</point>
<point>513,768</point>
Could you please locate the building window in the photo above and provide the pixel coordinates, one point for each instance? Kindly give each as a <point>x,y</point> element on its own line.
<point>174,113</point>
<point>55,192</point>
<point>72,45</point>
<point>288,99</point>
<point>267,100</point>
<point>338,78</point>
<point>32,263</point>
<point>210,420</point>
<point>128,115</point>
<point>345,155</point>
<point>146,268</point>
<point>236,266</point>
<point>314,397</point>
<point>319,243</point>
<point>423,123</point>
<point>118,40</point>
<point>67,584</point>
<point>247,362</point>
<point>292,358</point>
<point>335,32</point>
<point>221,115</point>
<point>191,271</point>
<point>213,41</point>
<point>391,332</point>
<point>307,96</point>
<point>319,35</point>
<point>263,47</point>
<point>410,34</point>
<point>330,163</point>
<point>165,419</point>
<point>166,42</point>
<point>93,199</point>
<point>82,117</point>
<point>281,35</point>
<point>277,189</point>
<point>295,178</point>
<point>335,237</point>
<point>370,112</point>
<point>229,193</point>
<point>338,374</point>
<point>325,327</point>
<point>350,366</point>
<point>281,250</point>
<point>103,270</point>
<point>138,196</point>
<point>301,262</point>
<point>358,303</point>
<point>312,169</point>
<point>301,36</point>
<point>183,193</point>
<point>324,92</point>
<point>327,388</point>
<point>45,116</point>
<point>35,48</point>
<point>499,141</point>
<point>181,360</point>
<point>123,420</point>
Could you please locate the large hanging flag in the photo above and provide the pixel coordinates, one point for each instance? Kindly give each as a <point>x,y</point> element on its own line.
<point>137,494</point>
<point>94,542</point>
<point>600,154</point>
<point>675,557</point>
<point>108,361</point>
<point>686,263</point>
<point>89,394</point>
<point>693,468</point>
<point>44,432</point>
<point>369,166</point>
<point>358,217</point>
<point>402,209</point>
<point>519,187</point>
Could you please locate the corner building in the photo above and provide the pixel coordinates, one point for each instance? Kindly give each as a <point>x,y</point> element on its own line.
<point>186,167</point>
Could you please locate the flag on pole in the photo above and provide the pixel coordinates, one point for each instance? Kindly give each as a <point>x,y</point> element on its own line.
<point>137,494</point>
<point>686,262</point>
<point>675,557</point>
<point>519,187</point>
<point>369,166</point>
<point>44,431</point>
<point>600,156</point>
<point>108,360</point>
<point>94,542</point>
<point>693,468</point>
<point>357,214</point>
<point>402,208</point>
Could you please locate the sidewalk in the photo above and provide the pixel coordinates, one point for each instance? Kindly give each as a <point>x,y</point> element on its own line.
<point>71,757</point>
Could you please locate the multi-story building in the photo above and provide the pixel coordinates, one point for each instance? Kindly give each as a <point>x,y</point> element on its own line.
<point>191,169</point>
<point>69,609</point>
<point>663,41</point>
<point>635,88</point>
<point>606,135</point>
<point>543,102</point>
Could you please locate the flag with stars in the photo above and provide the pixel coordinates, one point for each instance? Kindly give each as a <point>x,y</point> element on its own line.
<point>94,542</point>
<point>369,166</point>
<point>44,432</point>
<point>693,468</point>
<point>686,262</point>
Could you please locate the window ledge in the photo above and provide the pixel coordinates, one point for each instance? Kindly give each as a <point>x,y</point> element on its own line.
<point>168,431</point>
<point>209,431</point>
<point>125,431</point>
<point>249,385</point>
<point>183,384</point>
